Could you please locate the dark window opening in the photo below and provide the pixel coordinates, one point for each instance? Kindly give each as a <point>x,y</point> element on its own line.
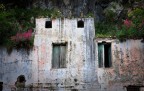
<point>48,24</point>
<point>59,56</point>
<point>107,51</point>
<point>104,55</point>
<point>80,24</point>
<point>133,88</point>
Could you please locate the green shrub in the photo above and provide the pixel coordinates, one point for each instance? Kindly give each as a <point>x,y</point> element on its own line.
<point>18,20</point>
<point>105,30</point>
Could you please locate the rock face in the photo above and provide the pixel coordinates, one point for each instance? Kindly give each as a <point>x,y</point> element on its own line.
<point>77,8</point>
<point>68,8</point>
<point>84,8</point>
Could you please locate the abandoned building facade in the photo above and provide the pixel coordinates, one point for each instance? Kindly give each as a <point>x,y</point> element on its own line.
<point>67,57</point>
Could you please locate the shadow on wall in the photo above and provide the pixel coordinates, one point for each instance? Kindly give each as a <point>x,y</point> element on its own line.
<point>20,83</point>
<point>1,86</point>
<point>74,90</point>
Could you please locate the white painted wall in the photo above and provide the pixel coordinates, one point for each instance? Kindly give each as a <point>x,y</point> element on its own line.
<point>80,52</point>
<point>80,57</point>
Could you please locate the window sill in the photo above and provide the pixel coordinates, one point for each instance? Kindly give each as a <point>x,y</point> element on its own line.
<point>105,67</point>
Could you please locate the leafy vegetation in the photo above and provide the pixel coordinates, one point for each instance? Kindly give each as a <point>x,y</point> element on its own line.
<point>16,24</point>
<point>130,27</point>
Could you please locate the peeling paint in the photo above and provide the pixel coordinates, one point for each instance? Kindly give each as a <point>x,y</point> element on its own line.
<point>127,65</point>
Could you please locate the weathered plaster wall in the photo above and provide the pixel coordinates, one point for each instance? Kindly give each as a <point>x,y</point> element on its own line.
<point>80,71</point>
<point>13,65</point>
<point>127,65</point>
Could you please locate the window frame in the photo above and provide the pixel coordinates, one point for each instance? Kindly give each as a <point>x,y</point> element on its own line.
<point>102,58</point>
<point>59,46</point>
